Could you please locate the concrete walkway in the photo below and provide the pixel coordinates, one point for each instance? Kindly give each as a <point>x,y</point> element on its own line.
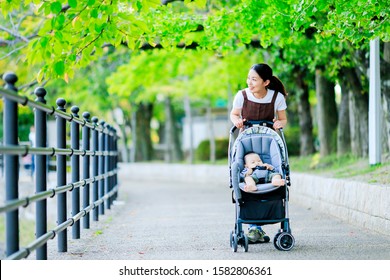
<point>188,217</point>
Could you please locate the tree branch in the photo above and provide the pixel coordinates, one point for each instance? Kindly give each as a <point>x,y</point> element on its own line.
<point>5,43</point>
<point>11,52</point>
<point>14,34</point>
<point>166,2</point>
<point>90,43</point>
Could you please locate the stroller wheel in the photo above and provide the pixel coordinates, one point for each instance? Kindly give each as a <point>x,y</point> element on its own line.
<point>234,242</point>
<point>284,241</point>
<point>245,242</point>
<point>231,238</point>
<point>276,238</point>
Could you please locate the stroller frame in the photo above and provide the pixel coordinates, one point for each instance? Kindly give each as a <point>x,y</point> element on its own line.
<point>276,196</point>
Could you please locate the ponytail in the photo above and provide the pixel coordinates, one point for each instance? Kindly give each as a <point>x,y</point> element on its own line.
<point>265,72</point>
<point>277,85</point>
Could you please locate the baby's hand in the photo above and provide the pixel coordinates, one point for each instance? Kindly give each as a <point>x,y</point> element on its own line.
<point>249,172</point>
<point>269,166</point>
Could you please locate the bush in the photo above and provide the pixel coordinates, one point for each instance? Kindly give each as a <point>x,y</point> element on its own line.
<point>25,121</point>
<point>291,135</point>
<point>221,147</point>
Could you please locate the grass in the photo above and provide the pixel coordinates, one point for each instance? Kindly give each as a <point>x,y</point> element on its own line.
<point>346,166</point>
<point>26,232</point>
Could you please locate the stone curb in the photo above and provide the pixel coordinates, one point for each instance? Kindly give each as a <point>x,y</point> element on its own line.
<point>359,203</point>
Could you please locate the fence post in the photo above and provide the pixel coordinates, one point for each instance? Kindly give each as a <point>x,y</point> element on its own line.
<point>95,167</point>
<point>101,167</point>
<point>75,163</point>
<point>41,171</point>
<point>61,175</point>
<point>116,160</point>
<point>112,145</point>
<point>11,165</point>
<point>86,165</point>
<point>107,164</point>
<point>111,163</point>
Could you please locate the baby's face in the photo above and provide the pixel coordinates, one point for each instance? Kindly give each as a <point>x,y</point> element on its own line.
<point>252,160</point>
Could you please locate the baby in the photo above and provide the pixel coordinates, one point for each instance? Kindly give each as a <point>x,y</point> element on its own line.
<point>253,173</point>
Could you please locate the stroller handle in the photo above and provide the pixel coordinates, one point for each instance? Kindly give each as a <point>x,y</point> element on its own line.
<point>251,123</point>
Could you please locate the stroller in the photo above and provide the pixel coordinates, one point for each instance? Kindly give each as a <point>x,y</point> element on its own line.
<point>269,203</point>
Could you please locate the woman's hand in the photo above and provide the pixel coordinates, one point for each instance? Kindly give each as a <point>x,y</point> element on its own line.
<point>235,117</point>
<point>280,120</point>
<point>277,124</point>
<point>239,123</point>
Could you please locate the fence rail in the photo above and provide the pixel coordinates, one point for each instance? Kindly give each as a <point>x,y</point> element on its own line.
<point>97,179</point>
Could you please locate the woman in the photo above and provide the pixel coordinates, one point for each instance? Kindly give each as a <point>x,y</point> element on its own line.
<point>264,99</point>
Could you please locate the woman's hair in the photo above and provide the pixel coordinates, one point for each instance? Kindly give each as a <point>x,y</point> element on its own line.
<point>265,72</point>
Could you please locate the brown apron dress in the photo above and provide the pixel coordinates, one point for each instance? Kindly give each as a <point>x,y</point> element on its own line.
<point>252,111</point>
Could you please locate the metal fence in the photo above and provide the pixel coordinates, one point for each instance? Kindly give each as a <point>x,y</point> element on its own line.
<point>92,185</point>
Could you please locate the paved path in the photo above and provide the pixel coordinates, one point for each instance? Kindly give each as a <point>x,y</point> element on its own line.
<point>176,221</point>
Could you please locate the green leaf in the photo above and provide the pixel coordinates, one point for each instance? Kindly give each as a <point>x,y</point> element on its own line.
<point>72,57</point>
<point>200,3</point>
<point>58,35</point>
<point>139,5</point>
<point>40,75</point>
<point>56,7</point>
<point>60,20</point>
<point>59,67</point>
<point>72,3</point>
<point>43,41</point>
<point>45,28</point>
<point>130,42</point>
<point>94,13</point>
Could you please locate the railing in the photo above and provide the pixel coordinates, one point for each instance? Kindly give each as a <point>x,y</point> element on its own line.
<point>99,171</point>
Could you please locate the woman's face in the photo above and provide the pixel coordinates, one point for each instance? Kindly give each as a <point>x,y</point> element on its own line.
<point>255,82</point>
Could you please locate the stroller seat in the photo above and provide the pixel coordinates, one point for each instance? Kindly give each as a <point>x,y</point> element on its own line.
<point>268,149</point>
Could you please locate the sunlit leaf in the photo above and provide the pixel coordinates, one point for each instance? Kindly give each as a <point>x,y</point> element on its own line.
<point>72,3</point>
<point>59,67</point>
<point>56,7</point>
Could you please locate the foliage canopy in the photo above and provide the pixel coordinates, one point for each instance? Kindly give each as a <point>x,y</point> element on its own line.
<point>64,35</point>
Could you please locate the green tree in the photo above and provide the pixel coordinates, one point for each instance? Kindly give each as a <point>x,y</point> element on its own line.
<point>56,38</point>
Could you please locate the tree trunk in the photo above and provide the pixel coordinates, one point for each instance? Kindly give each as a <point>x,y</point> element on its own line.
<point>126,149</point>
<point>188,112</point>
<point>144,148</point>
<point>211,133</point>
<point>343,131</point>
<point>133,135</point>
<point>229,106</point>
<point>327,114</point>
<point>358,114</point>
<point>385,89</point>
<point>123,122</point>
<point>173,148</point>
<point>305,119</point>
<point>177,144</point>
<point>168,153</point>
